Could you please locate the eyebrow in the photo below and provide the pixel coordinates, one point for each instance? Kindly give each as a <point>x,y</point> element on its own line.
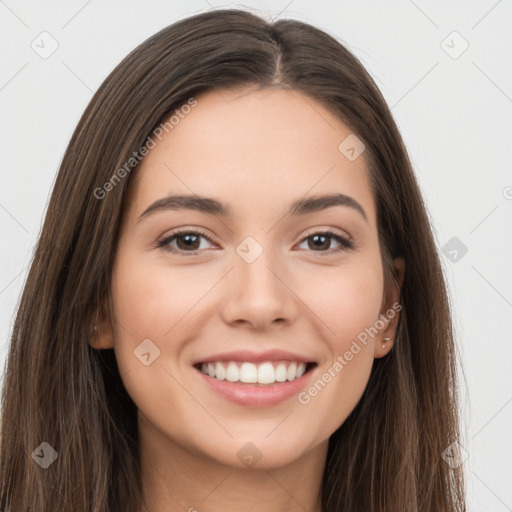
<point>212,206</point>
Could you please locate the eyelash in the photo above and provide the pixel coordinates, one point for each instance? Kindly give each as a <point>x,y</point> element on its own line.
<point>345,244</point>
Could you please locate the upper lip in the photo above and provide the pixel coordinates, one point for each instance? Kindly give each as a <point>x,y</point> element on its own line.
<point>254,357</point>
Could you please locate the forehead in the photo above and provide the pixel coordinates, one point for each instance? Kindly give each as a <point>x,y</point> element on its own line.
<point>252,148</point>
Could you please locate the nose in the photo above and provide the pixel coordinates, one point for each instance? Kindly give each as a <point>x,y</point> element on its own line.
<point>259,294</point>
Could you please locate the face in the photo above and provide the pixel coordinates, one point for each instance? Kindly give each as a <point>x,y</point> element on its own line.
<point>264,300</point>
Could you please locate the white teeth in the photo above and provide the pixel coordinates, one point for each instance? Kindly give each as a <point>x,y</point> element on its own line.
<point>250,373</point>
<point>232,373</point>
<point>220,371</point>
<point>290,373</point>
<point>266,373</point>
<point>281,372</point>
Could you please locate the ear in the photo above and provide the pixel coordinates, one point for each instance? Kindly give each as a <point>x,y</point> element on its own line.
<point>102,334</point>
<point>389,312</point>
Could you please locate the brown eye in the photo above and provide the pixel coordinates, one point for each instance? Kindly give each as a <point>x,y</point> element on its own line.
<point>322,241</point>
<point>187,241</point>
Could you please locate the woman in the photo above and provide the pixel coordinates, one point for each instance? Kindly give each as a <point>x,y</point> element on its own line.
<point>236,300</point>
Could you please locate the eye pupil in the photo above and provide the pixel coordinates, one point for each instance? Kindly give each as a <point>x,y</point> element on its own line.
<point>323,245</point>
<point>188,244</point>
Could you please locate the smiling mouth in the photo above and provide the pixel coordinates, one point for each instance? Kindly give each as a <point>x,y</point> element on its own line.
<point>265,373</point>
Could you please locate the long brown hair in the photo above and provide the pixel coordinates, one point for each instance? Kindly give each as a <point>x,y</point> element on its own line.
<point>387,456</point>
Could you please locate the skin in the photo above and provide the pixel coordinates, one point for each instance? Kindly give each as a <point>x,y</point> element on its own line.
<point>257,151</point>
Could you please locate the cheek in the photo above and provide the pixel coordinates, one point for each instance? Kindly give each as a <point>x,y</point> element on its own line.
<point>142,309</point>
<point>347,299</point>
<point>148,305</point>
<point>348,304</point>
<point>148,301</point>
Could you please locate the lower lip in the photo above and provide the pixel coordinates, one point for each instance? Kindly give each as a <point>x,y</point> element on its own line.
<point>257,396</point>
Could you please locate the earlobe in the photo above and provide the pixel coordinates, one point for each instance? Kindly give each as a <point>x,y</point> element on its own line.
<point>385,339</point>
<point>383,346</point>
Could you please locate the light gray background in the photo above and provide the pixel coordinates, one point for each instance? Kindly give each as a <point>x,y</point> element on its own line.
<point>454,111</point>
